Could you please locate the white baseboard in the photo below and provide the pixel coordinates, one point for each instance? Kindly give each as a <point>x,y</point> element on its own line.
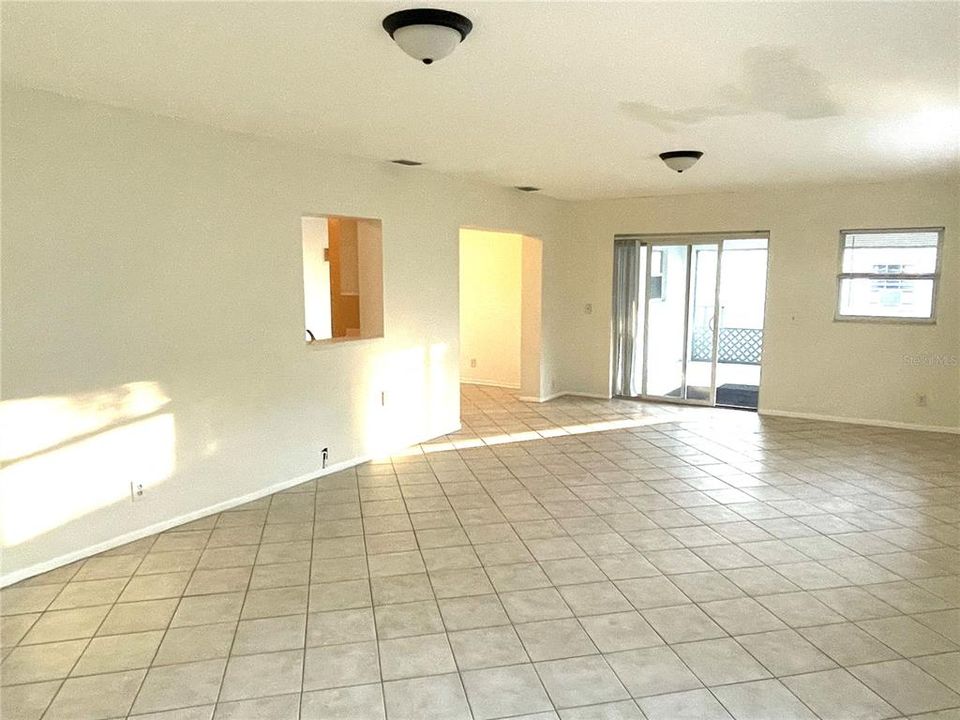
<point>489,383</point>
<point>861,421</point>
<point>562,393</point>
<point>67,558</point>
<point>593,396</point>
<point>534,399</point>
<point>787,413</point>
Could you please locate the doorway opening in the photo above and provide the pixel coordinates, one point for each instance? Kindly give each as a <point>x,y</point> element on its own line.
<point>500,289</point>
<point>688,318</point>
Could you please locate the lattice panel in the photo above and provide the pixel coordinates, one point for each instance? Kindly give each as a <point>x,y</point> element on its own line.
<point>740,346</point>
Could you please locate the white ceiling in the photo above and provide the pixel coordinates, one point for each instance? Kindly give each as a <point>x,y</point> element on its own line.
<point>577,98</point>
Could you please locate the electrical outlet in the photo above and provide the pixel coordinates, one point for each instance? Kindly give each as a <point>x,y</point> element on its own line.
<point>136,491</point>
<point>921,399</point>
<point>473,362</point>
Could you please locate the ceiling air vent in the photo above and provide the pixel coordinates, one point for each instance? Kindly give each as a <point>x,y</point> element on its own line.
<point>406,163</point>
<point>527,188</point>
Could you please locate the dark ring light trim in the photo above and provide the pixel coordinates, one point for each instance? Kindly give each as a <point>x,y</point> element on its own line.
<point>427,16</point>
<point>681,153</point>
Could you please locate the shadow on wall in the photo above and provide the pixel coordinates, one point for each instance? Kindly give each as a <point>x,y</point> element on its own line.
<point>65,457</point>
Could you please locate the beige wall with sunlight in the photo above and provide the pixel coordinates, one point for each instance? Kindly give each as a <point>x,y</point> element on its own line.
<point>141,251</point>
<point>490,310</point>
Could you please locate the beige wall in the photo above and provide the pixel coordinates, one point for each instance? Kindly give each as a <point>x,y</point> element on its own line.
<point>316,277</point>
<point>370,259</point>
<point>811,364</point>
<point>152,318</point>
<point>531,316</point>
<point>490,307</point>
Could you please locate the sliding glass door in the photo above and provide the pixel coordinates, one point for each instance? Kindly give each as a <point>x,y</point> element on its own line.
<point>681,282</point>
<point>667,270</point>
<point>701,379</point>
<point>743,287</point>
<point>688,317</point>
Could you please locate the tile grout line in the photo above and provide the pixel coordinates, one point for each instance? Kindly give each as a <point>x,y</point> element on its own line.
<point>433,591</point>
<point>306,618</point>
<point>523,542</point>
<point>99,626</point>
<point>373,607</point>
<point>173,615</point>
<point>675,437</point>
<point>560,594</point>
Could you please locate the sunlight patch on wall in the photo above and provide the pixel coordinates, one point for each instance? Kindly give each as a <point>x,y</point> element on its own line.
<point>67,456</point>
<point>402,376</point>
<point>418,400</point>
<point>50,489</point>
<point>439,400</point>
<point>32,425</point>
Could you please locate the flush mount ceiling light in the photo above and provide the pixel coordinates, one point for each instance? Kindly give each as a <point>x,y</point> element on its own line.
<point>427,34</point>
<point>681,160</point>
<point>407,163</point>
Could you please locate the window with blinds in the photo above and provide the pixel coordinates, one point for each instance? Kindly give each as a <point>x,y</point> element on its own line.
<point>888,274</point>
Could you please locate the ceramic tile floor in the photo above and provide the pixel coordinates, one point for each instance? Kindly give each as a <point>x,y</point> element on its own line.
<point>577,559</point>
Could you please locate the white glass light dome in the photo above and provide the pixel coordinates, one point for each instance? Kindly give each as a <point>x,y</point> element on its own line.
<point>427,34</point>
<point>427,43</point>
<point>681,160</point>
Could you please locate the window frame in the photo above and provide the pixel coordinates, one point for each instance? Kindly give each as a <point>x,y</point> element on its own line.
<point>890,319</point>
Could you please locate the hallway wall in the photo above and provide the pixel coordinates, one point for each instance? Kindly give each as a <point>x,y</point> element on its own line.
<point>491,275</point>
